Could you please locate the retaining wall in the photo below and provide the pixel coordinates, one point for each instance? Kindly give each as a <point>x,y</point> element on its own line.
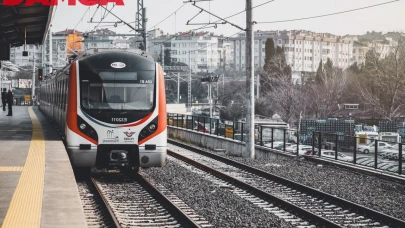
<point>213,142</point>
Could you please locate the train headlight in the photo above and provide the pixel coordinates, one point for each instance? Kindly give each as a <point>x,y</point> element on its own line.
<point>83,126</point>
<point>152,127</point>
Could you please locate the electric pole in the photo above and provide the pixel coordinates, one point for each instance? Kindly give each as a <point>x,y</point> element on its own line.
<point>163,56</point>
<point>33,81</point>
<point>189,101</point>
<point>250,112</point>
<point>145,32</point>
<point>50,50</point>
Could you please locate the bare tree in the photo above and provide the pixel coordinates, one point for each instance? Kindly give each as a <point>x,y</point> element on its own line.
<point>285,99</point>
<point>383,82</point>
<point>326,96</point>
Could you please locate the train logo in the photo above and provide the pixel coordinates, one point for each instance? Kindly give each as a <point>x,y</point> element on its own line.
<point>129,134</point>
<point>110,133</point>
<point>118,65</point>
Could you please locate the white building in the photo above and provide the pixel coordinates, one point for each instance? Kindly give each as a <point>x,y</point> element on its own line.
<point>360,48</point>
<point>198,49</point>
<point>16,55</point>
<point>303,49</point>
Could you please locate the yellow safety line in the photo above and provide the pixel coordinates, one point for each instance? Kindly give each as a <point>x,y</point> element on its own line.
<point>26,205</point>
<point>11,168</point>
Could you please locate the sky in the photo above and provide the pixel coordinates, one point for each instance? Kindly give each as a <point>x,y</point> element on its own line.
<point>383,18</point>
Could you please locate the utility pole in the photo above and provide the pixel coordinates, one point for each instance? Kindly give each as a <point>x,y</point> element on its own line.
<point>189,102</point>
<point>178,88</point>
<point>33,81</point>
<point>250,112</point>
<point>163,56</point>
<point>50,51</point>
<point>145,32</point>
<point>258,85</point>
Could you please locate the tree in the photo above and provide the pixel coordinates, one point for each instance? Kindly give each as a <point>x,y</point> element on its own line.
<point>382,84</point>
<point>328,68</point>
<point>354,68</point>
<point>319,74</point>
<point>168,57</point>
<point>325,97</point>
<point>141,46</point>
<point>285,99</point>
<point>270,51</point>
<point>276,69</point>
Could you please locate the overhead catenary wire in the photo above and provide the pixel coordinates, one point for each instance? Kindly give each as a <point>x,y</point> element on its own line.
<point>326,15</point>
<point>202,27</point>
<point>169,16</point>
<point>81,18</point>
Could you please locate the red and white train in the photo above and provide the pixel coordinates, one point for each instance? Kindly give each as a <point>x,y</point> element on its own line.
<point>111,109</point>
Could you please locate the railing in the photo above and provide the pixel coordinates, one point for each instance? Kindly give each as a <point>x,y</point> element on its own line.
<point>345,148</point>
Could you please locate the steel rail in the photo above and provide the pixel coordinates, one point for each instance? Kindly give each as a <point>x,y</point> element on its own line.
<point>175,211</point>
<point>106,204</point>
<point>293,209</point>
<point>362,210</point>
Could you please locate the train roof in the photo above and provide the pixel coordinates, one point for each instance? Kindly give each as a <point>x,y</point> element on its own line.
<point>94,51</point>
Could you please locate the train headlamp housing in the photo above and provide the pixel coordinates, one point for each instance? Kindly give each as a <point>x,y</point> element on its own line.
<point>148,129</point>
<point>87,130</point>
<point>152,127</point>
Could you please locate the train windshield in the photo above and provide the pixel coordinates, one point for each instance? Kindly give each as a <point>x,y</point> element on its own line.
<point>117,90</point>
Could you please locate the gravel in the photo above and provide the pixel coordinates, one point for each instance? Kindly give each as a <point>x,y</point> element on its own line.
<point>381,195</point>
<point>218,205</point>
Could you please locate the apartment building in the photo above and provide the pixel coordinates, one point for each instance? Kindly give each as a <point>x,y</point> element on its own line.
<point>204,51</point>
<point>303,49</point>
<point>16,55</point>
<point>66,44</point>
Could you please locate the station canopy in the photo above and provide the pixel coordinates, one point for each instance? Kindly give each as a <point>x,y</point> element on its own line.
<point>23,24</point>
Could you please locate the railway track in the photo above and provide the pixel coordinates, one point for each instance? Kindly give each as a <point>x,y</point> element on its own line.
<point>114,200</point>
<point>316,207</point>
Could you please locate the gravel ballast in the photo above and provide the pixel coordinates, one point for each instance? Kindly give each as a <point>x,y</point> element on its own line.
<point>379,194</point>
<point>218,205</point>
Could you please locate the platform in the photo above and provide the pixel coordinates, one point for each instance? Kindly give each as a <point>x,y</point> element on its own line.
<point>37,184</point>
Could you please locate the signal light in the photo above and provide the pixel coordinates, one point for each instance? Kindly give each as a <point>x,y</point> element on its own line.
<point>40,72</point>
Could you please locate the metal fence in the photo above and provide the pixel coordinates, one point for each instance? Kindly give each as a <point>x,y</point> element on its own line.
<point>378,154</point>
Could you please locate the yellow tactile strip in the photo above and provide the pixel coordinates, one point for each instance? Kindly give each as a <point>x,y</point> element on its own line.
<point>11,168</point>
<point>26,205</point>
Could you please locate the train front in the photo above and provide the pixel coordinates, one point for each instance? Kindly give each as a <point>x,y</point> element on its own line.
<point>121,112</point>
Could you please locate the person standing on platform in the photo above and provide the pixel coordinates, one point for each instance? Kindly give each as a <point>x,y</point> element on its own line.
<point>10,99</point>
<point>4,98</point>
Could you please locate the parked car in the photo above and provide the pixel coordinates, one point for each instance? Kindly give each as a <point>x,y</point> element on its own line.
<point>278,145</point>
<point>331,154</point>
<point>370,148</point>
<point>386,166</point>
<point>395,169</point>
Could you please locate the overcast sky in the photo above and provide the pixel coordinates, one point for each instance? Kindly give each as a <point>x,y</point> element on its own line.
<point>389,17</point>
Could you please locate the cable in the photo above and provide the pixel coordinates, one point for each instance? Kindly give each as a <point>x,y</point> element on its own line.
<point>169,16</point>
<point>81,19</point>
<point>192,30</point>
<point>325,15</point>
<point>101,19</point>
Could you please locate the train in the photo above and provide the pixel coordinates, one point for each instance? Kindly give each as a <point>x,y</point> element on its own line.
<point>110,109</point>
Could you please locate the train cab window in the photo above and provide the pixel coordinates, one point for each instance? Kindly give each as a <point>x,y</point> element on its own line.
<point>118,90</point>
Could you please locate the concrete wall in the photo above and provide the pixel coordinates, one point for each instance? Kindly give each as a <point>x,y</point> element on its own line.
<point>212,142</point>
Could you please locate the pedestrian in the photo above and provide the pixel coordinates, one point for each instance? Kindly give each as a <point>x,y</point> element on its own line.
<point>10,99</point>
<point>4,98</point>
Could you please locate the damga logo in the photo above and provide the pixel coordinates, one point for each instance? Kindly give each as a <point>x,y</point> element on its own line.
<point>55,2</point>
